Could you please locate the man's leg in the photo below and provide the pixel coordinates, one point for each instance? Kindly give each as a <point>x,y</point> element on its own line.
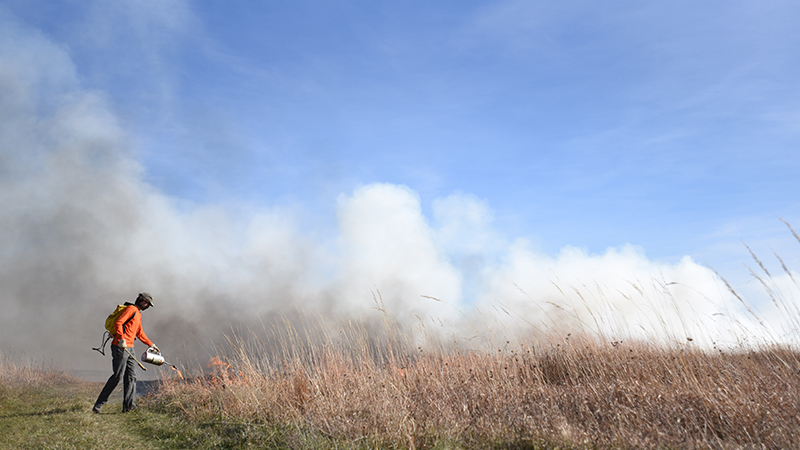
<point>118,363</point>
<point>129,386</point>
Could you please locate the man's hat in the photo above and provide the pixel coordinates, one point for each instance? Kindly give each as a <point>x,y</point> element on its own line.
<point>146,297</point>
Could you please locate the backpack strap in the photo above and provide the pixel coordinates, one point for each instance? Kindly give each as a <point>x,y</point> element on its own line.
<point>128,321</point>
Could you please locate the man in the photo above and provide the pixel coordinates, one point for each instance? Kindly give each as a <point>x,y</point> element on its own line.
<point>127,328</point>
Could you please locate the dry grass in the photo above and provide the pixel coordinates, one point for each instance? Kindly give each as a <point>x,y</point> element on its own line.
<point>541,393</point>
<point>17,372</point>
<point>19,377</point>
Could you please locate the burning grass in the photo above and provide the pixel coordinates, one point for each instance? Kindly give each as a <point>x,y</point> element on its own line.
<point>562,392</point>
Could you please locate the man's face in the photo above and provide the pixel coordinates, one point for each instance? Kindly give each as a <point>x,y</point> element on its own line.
<point>143,304</point>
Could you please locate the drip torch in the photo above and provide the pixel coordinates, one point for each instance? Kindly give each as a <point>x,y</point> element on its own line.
<point>153,356</point>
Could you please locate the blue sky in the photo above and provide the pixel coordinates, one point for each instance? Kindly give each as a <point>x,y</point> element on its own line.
<point>589,124</point>
<point>672,127</point>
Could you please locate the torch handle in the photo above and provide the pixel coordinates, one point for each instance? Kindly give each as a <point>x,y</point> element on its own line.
<point>134,358</point>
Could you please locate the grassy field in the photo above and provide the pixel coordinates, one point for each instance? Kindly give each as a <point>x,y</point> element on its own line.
<point>567,392</point>
<point>58,416</point>
<point>40,408</point>
<point>360,392</point>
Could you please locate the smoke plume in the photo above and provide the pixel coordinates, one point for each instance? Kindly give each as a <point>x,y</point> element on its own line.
<point>81,231</point>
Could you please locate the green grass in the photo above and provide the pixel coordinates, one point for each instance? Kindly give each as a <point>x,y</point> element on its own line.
<point>59,416</point>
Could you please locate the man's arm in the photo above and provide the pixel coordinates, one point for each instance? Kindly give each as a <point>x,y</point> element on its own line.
<point>143,337</point>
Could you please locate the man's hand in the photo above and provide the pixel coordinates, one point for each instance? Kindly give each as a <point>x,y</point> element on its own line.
<point>122,344</point>
<point>155,347</point>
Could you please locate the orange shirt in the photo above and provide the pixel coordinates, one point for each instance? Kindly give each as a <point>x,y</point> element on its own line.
<point>133,329</point>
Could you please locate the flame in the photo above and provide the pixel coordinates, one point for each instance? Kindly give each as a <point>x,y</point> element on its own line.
<point>219,368</point>
<point>179,372</point>
<point>217,363</point>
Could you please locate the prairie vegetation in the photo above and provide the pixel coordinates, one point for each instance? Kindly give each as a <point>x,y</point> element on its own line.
<point>41,407</point>
<point>17,373</point>
<point>359,388</point>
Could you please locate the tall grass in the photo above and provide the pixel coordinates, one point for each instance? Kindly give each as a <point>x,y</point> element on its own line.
<point>560,391</point>
<point>18,371</point>
<point>18,375</point>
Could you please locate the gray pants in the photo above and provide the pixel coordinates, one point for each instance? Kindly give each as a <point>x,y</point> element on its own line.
<point>124,368</point>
